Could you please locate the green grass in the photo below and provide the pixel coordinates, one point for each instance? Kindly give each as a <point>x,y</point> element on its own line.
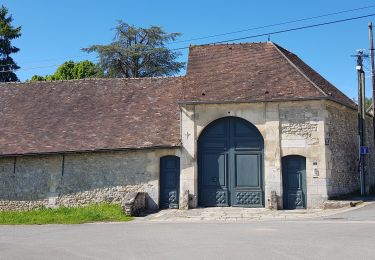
<point>64,215</point>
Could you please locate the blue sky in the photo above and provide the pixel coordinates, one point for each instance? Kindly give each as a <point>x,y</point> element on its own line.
<point>55,31</point>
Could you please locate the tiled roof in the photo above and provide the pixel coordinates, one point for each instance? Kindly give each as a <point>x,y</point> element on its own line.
<point>108,114</point>
<point>253,72</point>
<point>86,115</point>
<point>326,87</point>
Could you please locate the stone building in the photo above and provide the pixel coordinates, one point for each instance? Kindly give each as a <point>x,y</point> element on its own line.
<point>247,121</point>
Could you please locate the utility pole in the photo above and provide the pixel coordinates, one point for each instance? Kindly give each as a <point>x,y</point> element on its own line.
<point>361,119</point>
<point>372,76</point>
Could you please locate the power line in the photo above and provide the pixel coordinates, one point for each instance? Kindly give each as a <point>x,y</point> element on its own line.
<point>283,31</point>
<point>252,36</point>
<point>65,58</point>
<point>39,67</point>
<point>53,59</point>
<point>287,30</point>
<point>233,32</point>
<point>273,25</point>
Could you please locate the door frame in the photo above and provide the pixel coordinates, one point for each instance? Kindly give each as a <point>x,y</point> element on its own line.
<point>304,182</point>
<point>178,179</point>
<point>229,178</point>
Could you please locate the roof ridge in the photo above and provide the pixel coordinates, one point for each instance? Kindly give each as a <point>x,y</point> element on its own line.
<point>277,47</point>
<point>87,79</point>
<point>227,44</point>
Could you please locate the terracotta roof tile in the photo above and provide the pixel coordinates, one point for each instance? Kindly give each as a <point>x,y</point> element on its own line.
<point>329,89</point>
<point>89,115</point>
<point>106,114</point>
<point>253,72</point>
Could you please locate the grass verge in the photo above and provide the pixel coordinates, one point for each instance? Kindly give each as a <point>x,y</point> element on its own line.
<point>64,215</point>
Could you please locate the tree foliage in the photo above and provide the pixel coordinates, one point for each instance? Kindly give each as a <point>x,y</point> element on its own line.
<point>138,52</point>
<point>72,70</point>
<point>7,34</point>
<point>368,102</point>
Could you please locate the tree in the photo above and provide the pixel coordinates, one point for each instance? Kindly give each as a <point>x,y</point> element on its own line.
<point>87,69</point>
<point>64,71</point>
<point>7,34</point>
<point>38,78</point>
<point>73,70</point>
<point>368,103</point>
<point>138,52</point>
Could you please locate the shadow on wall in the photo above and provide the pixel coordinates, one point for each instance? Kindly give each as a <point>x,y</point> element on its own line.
<point>372,190</point>
<point>343,150</point>
<point>78,179</point>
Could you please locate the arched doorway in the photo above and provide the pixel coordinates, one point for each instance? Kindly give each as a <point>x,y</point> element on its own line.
<point>294,181</point>
<point>230,164</point>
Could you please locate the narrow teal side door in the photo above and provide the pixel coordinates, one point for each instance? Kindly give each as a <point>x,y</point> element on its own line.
<point>230,161</point>
<point>169,182</point>
<point>294,182</point>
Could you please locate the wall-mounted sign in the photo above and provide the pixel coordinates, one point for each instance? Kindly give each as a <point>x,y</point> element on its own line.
<point>315,170</point>
<point>364,150</point>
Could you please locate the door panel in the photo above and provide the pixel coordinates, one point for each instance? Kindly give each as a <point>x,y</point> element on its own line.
<point>294,182</point>
<point>213,164</point>
<point>247,187</point>
<point>213,184</point>
<point>246,172</point>
<point>247,143</point>
<point>230,164</point>
<point>295,200</point>
<point>169,181</point>
<point>213,197</point>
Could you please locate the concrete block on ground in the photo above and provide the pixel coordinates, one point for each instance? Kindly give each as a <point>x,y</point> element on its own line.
<point>185,200</point>
<point>135,203</point>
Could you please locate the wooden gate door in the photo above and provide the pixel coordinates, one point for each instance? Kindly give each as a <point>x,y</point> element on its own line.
<point>294,181</point>
<point>169,181</point>
<point>230,161</point>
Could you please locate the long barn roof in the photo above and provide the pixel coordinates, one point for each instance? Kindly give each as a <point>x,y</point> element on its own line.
<point>110,114</point>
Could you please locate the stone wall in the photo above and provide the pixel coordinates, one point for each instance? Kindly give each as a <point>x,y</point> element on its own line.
<point>342,151</point>
<point>287,128</point>
<point>322,131</point>
<point>300,123</point>
<point>370,159</point>
<point>195,118</point>
<point>79,178</point>
<point>302,133</point>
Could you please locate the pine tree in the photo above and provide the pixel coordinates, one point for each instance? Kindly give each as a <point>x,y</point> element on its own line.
<point>138,52</point>
<point>7,34</point>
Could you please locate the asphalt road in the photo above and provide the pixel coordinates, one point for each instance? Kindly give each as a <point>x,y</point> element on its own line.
<point>366,213</point>
<point>349,235</point>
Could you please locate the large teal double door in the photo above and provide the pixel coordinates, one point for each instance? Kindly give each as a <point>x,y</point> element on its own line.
<point>230,164</point>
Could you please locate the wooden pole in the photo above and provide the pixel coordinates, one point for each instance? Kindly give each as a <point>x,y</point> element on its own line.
<point>372,76</point>
<point>361,115</point>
